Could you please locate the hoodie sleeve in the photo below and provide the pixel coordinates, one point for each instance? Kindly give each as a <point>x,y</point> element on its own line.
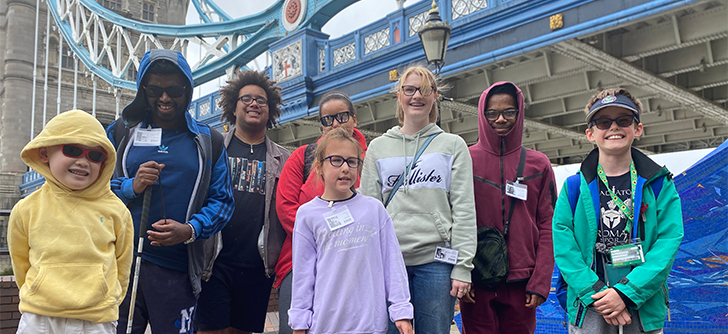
<point>370,184</point>
<point>220,203</point>
<point>122,187</point>
<point>124,249</point>
<point>540,281</point>
<point>462,202</point>
<point>18,245</point>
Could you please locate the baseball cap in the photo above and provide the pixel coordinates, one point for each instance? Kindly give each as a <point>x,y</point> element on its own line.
<point>613,101</point>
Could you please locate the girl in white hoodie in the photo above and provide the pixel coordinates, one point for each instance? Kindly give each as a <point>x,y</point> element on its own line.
<point>433,210</point>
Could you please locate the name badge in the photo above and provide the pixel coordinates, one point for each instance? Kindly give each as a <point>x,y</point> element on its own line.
<point>446,255</point>
<point>627,255</point>
<point>148,137</point>
<point>517,190</point>
<point>339,218</point>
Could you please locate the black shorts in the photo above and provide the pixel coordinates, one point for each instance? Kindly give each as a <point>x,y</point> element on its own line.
<point>233,297</point>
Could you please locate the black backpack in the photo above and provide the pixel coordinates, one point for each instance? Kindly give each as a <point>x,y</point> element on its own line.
<point>309,156</point>
<point>491,256</point>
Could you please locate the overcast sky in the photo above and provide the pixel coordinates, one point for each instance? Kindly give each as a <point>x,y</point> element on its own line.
<point>352,18</point>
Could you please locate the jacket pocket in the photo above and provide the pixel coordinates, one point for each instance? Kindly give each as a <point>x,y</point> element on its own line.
<point>418,230</point>
<point>69,286</point>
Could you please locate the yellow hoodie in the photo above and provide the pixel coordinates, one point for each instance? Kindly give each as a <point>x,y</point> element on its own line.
<point>71,250</point>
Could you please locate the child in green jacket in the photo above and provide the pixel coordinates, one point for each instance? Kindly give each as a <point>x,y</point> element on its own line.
<point>618,225</point>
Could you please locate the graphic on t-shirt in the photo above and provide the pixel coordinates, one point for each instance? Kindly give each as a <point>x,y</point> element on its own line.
<point>431,170</point>
<point>247,175</point>
<point>613,221</point>
<point>612,217</point>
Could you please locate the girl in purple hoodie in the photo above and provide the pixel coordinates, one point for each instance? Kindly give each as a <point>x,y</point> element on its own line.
<point>347,265</point>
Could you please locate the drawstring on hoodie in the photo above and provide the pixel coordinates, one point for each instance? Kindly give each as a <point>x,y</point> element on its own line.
<point>404,156</point>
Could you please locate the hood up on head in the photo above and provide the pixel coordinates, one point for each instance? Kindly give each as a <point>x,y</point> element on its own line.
<point>72,127</point>
<point>137,109</point>
<point>488,139</point>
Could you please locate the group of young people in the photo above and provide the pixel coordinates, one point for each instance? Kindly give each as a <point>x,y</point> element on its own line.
<point>358,239</point>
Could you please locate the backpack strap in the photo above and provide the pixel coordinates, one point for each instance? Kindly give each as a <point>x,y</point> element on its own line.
<point>217,144</point>
<point>519,176</point>
<point>657,186</point>
<point>308,158</point>
<point>120,131</point>
<point>572,188</point>
<point>400,180</point>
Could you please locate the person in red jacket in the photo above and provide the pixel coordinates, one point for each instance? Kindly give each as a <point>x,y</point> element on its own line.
<point>511,306</point>
<point>298,185</point>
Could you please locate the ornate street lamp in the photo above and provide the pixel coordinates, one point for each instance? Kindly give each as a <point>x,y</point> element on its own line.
<point>434,36</point>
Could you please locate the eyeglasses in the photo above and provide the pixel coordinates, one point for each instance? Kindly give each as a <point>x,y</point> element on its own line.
<point>172,91</point>
<point>606,123</point>
<point>75,151</point>
<point>248,100</point>
<point>341,117</point>
<point>411,90</point>
<point>338,161</point>
<point>493,115</point>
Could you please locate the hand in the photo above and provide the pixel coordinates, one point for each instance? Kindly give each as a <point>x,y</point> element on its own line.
<point>147,174</point>
<point>299,331</point>
<point>459,288</point>
<point>533,300</point>
<point>609,303</point>
<point>469,297</point>
<point>622,318</point>
<point>170,233</point>
<point>403,326</point>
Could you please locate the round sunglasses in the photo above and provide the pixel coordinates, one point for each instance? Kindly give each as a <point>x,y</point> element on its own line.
<point>172,91</point>
<point>606,123</point>
<point>341,117</point>
<point>75,151</point>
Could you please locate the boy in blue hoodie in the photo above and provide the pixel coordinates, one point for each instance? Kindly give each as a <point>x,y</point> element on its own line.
<point>185,163</point>
<point>617,233</point>
<point>71,241</point>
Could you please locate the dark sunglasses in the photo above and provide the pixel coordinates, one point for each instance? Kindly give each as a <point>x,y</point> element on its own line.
<point>411,90</point>
<point>341,117</point>
<point>338,161</point>
<point>75,151</point>
<point>172,91</point>
<point>493,115</point>
<point>606,123</point>
<point>248,100</point>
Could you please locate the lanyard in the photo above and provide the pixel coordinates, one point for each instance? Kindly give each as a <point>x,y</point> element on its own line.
<point>629,212</point>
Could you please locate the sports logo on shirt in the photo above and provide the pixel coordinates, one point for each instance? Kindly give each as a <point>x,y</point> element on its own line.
<point>163,149</point>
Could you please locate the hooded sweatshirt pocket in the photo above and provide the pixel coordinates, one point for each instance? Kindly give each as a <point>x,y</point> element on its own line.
<point>68,286</point>
<point>419,232</point>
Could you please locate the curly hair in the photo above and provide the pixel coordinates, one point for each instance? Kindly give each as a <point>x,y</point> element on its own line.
<point>229,95</point>
<point>613,92</point>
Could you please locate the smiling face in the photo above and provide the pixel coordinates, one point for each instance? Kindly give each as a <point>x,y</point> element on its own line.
<point>615,140</point>
<point>338,181</point>
<point>417,107</point>
<point>500,102</point>
<point>167,112</point>
<point>74,173</point>
<point>333,107</point>
<point>251,116</point>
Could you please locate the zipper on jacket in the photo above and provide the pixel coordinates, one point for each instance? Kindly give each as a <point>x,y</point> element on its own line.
<point>503,184</point>
<point>667,302</point>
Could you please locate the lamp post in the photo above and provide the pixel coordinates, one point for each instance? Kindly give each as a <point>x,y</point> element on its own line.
<point>434,36</point>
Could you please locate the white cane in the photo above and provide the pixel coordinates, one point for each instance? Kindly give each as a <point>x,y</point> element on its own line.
<point>142,234</point>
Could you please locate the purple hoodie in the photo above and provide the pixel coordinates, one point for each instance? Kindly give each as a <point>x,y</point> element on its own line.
<point>343,279</point>
<point>495,160</point>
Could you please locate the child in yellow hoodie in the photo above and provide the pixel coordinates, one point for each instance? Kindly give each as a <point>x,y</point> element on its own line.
<point>71,241</point>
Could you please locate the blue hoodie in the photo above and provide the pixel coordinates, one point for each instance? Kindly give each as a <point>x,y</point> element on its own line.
<point>210,205</point>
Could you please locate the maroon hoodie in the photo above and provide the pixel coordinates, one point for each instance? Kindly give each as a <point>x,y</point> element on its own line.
<point>495,160</point>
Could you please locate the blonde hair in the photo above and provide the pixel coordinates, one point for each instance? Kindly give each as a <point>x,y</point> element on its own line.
<point>337,134</point>
<point>428,79</point>
<point>613,92</point>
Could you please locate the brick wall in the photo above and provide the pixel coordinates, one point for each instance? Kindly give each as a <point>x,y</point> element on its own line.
<point>272,301</point>
<point>9,315</point>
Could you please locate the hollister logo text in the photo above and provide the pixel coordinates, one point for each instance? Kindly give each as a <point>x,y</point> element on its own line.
<point>432,170</point>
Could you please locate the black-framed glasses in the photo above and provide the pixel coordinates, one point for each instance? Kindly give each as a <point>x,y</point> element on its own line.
<point>411,90</point>
<point>341,117</point>
<point>338,161</point>
<point>248,100</point>
<point>508,114</point>
<point>172,91</point>
<point>75,151</point>
<point>606,123</point>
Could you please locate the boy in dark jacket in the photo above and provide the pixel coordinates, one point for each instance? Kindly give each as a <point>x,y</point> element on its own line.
<point>617,243</point>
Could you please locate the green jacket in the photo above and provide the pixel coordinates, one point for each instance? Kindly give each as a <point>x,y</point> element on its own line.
<point>660,227</point>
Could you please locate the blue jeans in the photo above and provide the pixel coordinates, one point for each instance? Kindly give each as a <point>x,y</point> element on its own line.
<point>430,286</point>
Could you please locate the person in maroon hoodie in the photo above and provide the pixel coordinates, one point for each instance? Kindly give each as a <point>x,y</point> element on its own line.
<point>511,306</point>
<point>298,185</point>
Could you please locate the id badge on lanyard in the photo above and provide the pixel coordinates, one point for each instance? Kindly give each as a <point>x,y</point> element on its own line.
<point>148,137</point>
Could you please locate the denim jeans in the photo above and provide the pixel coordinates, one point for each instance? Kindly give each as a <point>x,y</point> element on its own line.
<point>430,286</point>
